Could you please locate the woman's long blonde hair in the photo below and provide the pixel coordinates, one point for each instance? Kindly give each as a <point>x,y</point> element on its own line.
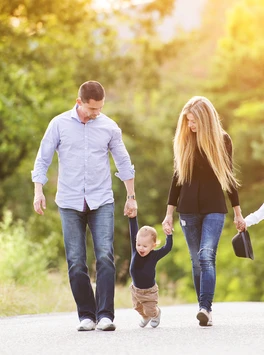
<point>209,139</point>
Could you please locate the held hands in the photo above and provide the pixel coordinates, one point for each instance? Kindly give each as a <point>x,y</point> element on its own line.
<point>240,223</point>
<point>167,224</point>
<point>130,208</point>
<point>39,203</point>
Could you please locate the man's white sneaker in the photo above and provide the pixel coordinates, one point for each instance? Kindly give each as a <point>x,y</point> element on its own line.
<point>156,321</point>
<point>86,324</point>
<point>105,324</point>
<point>144,322</point>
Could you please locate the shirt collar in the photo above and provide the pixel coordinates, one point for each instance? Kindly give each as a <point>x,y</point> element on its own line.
<point>74,114</point>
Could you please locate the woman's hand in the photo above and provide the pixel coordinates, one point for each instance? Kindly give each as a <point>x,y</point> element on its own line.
<point>238,219</point>
<point>240,223</point>
<point>167,224</point>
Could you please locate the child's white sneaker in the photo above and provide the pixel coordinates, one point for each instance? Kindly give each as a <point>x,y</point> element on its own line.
<point>144,322</point>
<point>156,321</point>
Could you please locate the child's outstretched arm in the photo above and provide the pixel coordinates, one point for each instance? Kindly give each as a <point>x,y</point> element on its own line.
<point>133,229</point>
<point>255,217</point>
<point>166,248</point>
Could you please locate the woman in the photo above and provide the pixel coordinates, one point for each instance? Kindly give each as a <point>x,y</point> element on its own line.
<point>202,170</point>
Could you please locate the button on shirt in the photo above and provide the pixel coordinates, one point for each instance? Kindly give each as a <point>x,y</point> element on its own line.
<point>83,157</point>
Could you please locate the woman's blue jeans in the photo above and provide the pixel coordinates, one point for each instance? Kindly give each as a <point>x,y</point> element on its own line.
<point>202,233</point>
<point>101,225</point>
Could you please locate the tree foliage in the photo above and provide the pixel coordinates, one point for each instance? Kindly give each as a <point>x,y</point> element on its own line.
<point>240,60</point>
<point>48,48</point>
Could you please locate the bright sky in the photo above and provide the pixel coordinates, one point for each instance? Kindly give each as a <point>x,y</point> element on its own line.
<point>106,4</point>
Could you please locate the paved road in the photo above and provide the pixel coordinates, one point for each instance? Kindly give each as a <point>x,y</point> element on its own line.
<point>238,329</point>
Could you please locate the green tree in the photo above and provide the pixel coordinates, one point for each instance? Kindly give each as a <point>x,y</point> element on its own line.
<point>46,51</point>
<point>240,60</point>
<point>49,48</point>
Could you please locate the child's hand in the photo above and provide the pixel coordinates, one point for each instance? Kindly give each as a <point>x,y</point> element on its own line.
<point>167,225</point>
<point>244,227</point>
<point>240,224</point>
<point>130,209</point>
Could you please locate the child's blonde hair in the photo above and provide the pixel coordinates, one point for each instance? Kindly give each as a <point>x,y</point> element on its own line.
<point>209,139</point>
<point>147,231</point>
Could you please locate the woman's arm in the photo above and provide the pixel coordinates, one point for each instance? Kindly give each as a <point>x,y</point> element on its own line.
<point>238,218</point>
<point>167,223</point>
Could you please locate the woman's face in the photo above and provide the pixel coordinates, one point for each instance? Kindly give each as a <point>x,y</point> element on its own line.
<point>191,122</point>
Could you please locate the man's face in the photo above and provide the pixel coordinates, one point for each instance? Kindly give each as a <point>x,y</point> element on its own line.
<point>90,109</point>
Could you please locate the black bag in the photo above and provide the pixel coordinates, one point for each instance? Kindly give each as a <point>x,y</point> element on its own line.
<point>242,245</point>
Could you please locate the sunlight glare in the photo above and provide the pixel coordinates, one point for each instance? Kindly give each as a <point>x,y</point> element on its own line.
<point>111,4</point>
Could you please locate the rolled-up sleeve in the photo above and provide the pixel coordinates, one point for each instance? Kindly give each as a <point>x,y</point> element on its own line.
<point>126,170</point>
<point>45,154</point>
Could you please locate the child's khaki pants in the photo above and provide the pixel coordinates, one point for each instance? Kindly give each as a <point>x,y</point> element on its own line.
<point>145,301</point>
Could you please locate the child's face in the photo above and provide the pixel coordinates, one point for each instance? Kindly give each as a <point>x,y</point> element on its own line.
<point>144,245</point>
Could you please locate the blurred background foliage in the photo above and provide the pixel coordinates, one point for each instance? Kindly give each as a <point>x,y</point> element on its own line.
<point>48,48</point>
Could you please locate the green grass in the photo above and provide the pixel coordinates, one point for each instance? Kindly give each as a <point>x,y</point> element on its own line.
<point>54,295</point>
<point>46,296</point>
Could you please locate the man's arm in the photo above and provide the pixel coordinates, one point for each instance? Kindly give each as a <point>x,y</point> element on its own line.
<point>126,171</point>
<point>39,199</point>
<point>42,163</point>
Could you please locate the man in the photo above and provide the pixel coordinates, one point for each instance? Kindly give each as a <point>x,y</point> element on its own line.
<point>83,138</point>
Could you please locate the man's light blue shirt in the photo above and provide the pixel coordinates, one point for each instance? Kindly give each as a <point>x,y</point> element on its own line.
<point>83,158</point>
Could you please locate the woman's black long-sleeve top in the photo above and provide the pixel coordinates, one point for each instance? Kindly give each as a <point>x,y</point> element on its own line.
<point>204,193</point>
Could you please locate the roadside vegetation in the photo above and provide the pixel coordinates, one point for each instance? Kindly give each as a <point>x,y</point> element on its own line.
<point>47,50</point>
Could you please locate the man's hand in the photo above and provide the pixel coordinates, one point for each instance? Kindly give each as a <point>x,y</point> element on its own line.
<point>130,208</point>
<point>39,203</point>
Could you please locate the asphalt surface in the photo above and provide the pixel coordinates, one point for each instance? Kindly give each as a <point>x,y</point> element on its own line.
<point>238,329</point>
